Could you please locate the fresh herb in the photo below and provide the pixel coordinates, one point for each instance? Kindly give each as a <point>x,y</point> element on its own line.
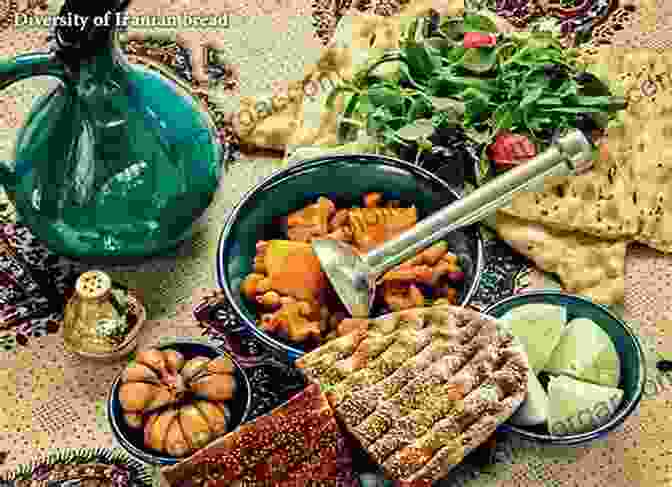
<point>479,23</point>
<point>448,153</point>
<point>113,329</point>
<point>523,83</point>
<point>119,299</point>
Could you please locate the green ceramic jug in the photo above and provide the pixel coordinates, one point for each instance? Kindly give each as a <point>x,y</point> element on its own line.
<point>116,162</point>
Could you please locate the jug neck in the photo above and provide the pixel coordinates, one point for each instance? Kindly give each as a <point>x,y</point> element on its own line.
<point>108,56</point>
<point>94,46</point>
<point>98,64</point>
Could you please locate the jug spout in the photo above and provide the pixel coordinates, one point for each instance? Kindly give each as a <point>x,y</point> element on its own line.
<point>28,65</point>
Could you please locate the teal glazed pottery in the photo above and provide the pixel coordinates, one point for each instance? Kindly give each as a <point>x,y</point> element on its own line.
<point>343,179</point>
<point>633,369</point>
<point>117,161</point>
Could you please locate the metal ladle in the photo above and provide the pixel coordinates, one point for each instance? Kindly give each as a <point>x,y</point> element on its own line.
<point>354,276</point>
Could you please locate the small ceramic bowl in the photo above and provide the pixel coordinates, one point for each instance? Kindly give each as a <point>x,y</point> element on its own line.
<point>132,440</point>
<point>633,370</point>
<point>343,179</point>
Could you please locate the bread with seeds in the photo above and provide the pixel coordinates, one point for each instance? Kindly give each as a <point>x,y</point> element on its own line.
<point>422,388</point>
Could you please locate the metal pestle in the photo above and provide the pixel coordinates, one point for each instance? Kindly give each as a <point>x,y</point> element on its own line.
<point>354,277</point>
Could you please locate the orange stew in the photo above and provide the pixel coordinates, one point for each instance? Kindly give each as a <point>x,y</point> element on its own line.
<point>292,295</point>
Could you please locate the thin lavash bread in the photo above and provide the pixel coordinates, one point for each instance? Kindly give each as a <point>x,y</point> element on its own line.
<point>295,118</point>
<point>627,194</point>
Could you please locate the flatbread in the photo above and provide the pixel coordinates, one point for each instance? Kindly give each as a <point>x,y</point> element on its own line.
<point>652,170</point>
<point>420,389</point>
<point>584,223</point>
<point>586,265</point>
<point>626,195</point>
<point>598,202</point>
<point>297,441</point>
<point>297,117</point>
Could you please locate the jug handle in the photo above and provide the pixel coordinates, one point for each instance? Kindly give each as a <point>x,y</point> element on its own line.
<point>17,69</point>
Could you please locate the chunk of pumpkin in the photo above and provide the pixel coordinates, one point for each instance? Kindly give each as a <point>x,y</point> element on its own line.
<point>294,270</point>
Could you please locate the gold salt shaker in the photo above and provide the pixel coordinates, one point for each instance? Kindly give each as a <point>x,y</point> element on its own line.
<point>88,309</point>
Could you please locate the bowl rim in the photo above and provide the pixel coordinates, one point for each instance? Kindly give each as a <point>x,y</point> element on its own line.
<point>146,455</point>
<point>617,419</point>
<point>307,164</point>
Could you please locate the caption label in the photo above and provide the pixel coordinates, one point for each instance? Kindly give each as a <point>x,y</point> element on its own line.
<point>122,19</point>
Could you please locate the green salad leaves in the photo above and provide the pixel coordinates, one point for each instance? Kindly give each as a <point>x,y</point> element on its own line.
<point>524,83</point>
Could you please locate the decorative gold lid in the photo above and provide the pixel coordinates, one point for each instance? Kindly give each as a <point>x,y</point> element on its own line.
<point>93,285</point>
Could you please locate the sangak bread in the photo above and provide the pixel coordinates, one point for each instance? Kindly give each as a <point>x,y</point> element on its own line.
<point>422,388</point>
<point>627,194</point>
<point>598,202</point>
<point>625,198</point>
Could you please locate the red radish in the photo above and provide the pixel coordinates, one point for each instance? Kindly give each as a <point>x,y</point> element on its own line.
<point>479,39</point>
<point>510,149</point>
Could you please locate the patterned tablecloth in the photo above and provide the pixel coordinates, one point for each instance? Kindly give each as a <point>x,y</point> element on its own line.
<point>50,399</point>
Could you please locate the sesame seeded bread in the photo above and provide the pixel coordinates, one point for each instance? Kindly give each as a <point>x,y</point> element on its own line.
<point>420,389</point>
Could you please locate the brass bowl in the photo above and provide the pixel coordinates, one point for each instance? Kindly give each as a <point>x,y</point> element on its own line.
<point>137,309</point>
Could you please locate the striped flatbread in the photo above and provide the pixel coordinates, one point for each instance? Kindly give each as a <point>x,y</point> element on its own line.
<point>422,388</point>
